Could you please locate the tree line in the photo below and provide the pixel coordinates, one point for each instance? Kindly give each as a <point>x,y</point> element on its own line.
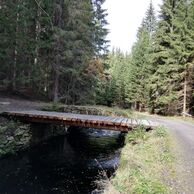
<point>158,74</point>
<point>58,50</point>
<point>52,48</point>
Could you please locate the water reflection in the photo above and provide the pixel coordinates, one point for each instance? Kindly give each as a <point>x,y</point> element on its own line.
<point>66,164</point>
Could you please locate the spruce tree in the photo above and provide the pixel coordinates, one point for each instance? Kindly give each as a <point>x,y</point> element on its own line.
<point>168,86</point>
<point>138,78</point>
<point>113,89</point>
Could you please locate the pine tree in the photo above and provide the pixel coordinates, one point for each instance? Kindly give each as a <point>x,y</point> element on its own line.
<point>190,61</point>
<point>168,83</point>
<point>138,78</point>
<point>100,31</point>
<point>113,89</point>
<point>76,50</point>
<point>184,48</point>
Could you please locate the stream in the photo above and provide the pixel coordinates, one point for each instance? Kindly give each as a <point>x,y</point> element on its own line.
<point>70,164</point>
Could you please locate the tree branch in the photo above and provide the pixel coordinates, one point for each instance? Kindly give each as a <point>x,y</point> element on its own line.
<point>38,4</point>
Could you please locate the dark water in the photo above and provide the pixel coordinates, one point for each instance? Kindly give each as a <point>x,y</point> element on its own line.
<point>67,164</point>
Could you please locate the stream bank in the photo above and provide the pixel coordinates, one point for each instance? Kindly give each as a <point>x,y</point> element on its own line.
<point>70,163</point>
<point>146,164</point>
<point>16,136</point>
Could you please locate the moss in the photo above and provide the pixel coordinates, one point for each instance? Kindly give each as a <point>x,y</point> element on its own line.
<point>11,134</point>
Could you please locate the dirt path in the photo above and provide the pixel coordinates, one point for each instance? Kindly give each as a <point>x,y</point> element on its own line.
<point>182,134</point>
<point>9,104</point>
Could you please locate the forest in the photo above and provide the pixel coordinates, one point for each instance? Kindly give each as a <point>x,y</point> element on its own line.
<point>57,50</point>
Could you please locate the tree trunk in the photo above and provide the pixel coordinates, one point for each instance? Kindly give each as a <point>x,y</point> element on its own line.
<point>13,85</point>
<point>37,34</point>
<point>56,88</point>
<point>58,14</point>
<point>185,97</point>
<point>56,81</point>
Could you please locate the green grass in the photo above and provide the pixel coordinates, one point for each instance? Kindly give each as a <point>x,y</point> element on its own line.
<point>53,107</point>
<point>144,159</point>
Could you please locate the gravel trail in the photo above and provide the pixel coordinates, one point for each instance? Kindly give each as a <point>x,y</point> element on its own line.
<point>182,135</point>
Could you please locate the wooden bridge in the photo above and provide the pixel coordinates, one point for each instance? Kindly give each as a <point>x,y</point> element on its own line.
<point>91,121</point>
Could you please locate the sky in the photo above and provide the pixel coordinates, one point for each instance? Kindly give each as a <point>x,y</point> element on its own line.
<point>124,18</point>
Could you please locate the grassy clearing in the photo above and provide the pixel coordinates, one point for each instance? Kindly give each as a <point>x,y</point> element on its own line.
<point>144,160</point>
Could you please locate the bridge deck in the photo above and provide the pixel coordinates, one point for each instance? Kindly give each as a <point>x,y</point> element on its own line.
<point>92,121</point>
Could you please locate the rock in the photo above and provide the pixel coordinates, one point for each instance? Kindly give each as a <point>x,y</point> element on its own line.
<point>11,138</point>
<point>19,132</point>
<point>4,103</point>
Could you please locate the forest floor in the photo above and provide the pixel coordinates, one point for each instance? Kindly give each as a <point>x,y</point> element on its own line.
<point>8,103</point>
<point>182,135</point>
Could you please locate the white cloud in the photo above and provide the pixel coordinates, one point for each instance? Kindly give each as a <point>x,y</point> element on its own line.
<point>124,17</point>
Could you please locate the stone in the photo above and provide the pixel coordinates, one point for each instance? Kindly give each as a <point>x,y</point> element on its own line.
<point>11,138</point>
<point>4,103</point>
<point>19,132</point>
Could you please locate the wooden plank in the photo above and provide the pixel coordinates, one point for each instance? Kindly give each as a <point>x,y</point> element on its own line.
<point>118,121</point>
<point>124,122</point>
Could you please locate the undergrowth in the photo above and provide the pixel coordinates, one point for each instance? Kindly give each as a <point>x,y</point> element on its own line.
<point>89,109</point>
